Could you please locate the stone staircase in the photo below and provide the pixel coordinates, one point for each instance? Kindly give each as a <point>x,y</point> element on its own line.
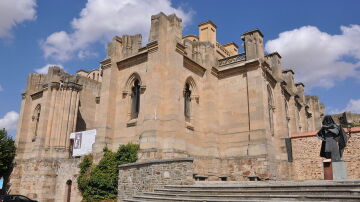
<point>256,191</point>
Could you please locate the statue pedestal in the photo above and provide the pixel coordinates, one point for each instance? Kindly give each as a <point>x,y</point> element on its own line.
<point>339,170</point>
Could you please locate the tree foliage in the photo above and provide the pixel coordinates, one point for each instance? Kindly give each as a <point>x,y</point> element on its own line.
<point>100,182</point>
<point>7,153</point>
<point>85,168</point>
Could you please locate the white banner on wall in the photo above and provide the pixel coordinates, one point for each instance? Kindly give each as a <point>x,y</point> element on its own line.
<point>82,142</point>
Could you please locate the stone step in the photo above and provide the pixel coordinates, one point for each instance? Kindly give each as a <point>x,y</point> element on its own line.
<point>275,183</point>
<point>243,197</point>
<point>210,200</point>
<point>264,186</point>
<point>257,191</point>
<point>295,191</point>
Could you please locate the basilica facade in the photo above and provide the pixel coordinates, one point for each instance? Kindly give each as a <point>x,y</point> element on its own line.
<point>177,96</point>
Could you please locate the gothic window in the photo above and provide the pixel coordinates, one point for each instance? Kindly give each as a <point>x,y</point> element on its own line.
<point>298,117</point>
<point>35,120</point>
<point>187,101</point>
<point>68,195</point>
<point>270,109</point>
<point>135,99</point>
<point>287,117</point>
<point>286,109</point>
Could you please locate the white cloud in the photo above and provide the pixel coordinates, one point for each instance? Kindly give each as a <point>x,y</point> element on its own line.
<point>9,121</point>
<point>1,88</point>
<point>44,69</point>
<point>352,106</point>
<point>101,20</point>
<point>318,58</point>
<point>13,12</point>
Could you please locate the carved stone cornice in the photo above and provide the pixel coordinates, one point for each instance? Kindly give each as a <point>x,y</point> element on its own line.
<point>36,95</point>
<point>152,47</point>
<point>193,66</point>
<point>215,72</point>
<point>105,63</point>
<point>236,68</point>
<point>272,54</point>
<point>72,86</point>
<point>133,60</point>
<point>51,85</point>
<point>180,49</point>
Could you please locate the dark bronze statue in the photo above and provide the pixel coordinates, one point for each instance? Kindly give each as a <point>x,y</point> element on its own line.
<point>333,139</point>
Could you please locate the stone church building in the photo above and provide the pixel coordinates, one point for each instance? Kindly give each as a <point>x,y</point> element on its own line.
<point>177,96</point>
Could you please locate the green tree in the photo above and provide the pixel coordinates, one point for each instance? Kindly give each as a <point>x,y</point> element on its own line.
<point>85,169</point>
<point>127,153</point>
<point>100,182</point>
<point>7,155</point>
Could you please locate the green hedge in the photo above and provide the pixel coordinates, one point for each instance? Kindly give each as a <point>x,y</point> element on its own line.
<point>100,182</point>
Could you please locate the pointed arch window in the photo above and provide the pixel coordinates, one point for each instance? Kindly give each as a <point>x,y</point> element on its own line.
<point>135,99</point>
<point>270,109</point>
<point>298,116</point>
<point>286,109</point>
<point>35,120</point>
<point>133,89</point>
<point>187,101</point>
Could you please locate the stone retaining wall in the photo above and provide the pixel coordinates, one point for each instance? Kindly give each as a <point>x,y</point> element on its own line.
<point>45,180</point>
<point>308,165</point>
<point>136,178</point>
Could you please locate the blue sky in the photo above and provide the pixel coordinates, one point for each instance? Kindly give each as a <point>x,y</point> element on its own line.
<point>320,40</point>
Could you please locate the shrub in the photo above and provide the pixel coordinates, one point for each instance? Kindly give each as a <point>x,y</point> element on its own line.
<point>85,169</point>
<point>100,182</point>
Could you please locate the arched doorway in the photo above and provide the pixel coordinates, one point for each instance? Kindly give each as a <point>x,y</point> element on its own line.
<point>68,191</point>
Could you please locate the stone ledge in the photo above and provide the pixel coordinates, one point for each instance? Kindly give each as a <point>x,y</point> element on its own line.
<point>313,133</point>
<point>140,164</point>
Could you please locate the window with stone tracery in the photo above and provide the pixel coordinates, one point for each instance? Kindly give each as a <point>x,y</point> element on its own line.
<point>135,99</point>
<point>270,109</point>
<point>287,117</point>
<point>35,120</point>
<point>187,101</point>
<point>298,117</point>
<point>286,109</point>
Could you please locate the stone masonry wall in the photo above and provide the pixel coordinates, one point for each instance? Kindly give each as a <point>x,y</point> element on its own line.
<point>136,178</point>
<point>45,180</point>
<point>308,165</point>
<point>234,169</point>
